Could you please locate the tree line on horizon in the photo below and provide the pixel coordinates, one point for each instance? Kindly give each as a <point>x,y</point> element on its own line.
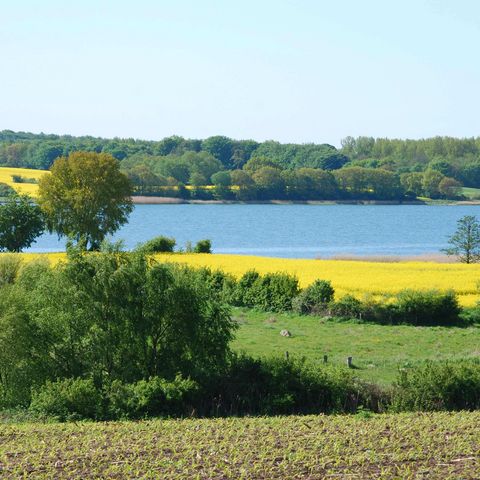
<point>223,168</point>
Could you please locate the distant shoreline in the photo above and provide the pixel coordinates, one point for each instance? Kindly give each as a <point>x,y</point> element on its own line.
<point>430,257</point>
<point>150,200</point>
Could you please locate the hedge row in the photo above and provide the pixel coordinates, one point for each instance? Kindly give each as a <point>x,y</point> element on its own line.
<point>280,292</point>
<point>262,387</point>
<point>246,386</point>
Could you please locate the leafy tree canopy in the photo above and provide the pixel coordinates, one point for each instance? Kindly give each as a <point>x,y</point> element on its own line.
<point>85,197</point>
<point>465,242</point>
<point>21,222</point>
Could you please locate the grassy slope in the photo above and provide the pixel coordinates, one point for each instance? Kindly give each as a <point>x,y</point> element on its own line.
<point>435,446</point>
<point>472,193</point>
<point>378,350</point>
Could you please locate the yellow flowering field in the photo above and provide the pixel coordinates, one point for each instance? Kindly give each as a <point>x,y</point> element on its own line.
<point>354,277</point>
<point>53,258</point>
<point>6,174</point>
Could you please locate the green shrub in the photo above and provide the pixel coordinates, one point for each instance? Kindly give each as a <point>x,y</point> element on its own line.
<point>72,398</point>
<point>158,245</point>
<point>243,291</point>
<point>438,386</point>
<point>18,341</point>
<point>33,272</point>
<point>203,246</point>
<point>347,307</point>
<point>315,298</point>
<point>108,316</point>
<point>274,292</point>
<point>409,307</point>
<point>153,397</point>
<point>21,222</point>
<point>471,316</point>
<point>6,190</point>
<point>426,307</point>
<point>10,265</point>
<point>277,386</point>
<point>221,283</point>
<point>20,179</point>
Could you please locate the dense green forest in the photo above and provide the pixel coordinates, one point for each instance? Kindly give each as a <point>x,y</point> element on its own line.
<point>223,168</point>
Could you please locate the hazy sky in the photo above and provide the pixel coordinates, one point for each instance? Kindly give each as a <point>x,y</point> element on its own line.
<point>300,71</point>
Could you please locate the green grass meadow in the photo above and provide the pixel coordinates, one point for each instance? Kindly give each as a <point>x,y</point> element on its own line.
<point>378,351</point>
<point>472,193</point>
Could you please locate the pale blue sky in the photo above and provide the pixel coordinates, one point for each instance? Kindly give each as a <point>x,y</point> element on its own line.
<point>300,71</point>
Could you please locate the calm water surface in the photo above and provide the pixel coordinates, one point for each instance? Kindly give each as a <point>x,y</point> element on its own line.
<point>295,231</point>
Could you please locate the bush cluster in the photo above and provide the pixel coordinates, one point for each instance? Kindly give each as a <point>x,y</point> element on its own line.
<point>203,246</point>
<point>221,284</point>
<point>280,292</point>
<point>109,316</point>
<point>347,307</point>
<point>409,307</point>
<point>6,190</point>
<point>163,244</point>
<point>438,386</point>
<point>275,386</point>
<point>272,292</point>
<point>246,386</point>
<point>152,397</point>
<point>77,398</point>
<point>426,308</point>
<point>158,245</point>
<point>67,399</point>
<point>315,298</point>
<point>10,265</point>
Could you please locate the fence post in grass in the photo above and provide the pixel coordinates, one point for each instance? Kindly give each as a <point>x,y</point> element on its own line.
<point>286,355</point>
<point>349,362</point>
<point>325,358</point>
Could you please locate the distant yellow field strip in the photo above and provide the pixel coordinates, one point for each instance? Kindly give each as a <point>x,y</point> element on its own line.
<point>357,278</point>
<point>354,277</point>
<point>7,173</point>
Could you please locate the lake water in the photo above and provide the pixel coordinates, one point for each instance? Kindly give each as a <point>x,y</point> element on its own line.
<point>293,231</point>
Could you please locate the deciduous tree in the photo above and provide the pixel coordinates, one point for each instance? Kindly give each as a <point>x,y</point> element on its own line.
<point>21,222</point>
<point>465,242</point>
<point>450,188</point>
<point>85,197</point>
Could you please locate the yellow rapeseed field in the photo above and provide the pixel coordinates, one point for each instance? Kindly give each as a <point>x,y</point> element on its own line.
<point>6,174</point>
<point>361,279</point>
<point>53,258</point>
<point>357,278</point>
